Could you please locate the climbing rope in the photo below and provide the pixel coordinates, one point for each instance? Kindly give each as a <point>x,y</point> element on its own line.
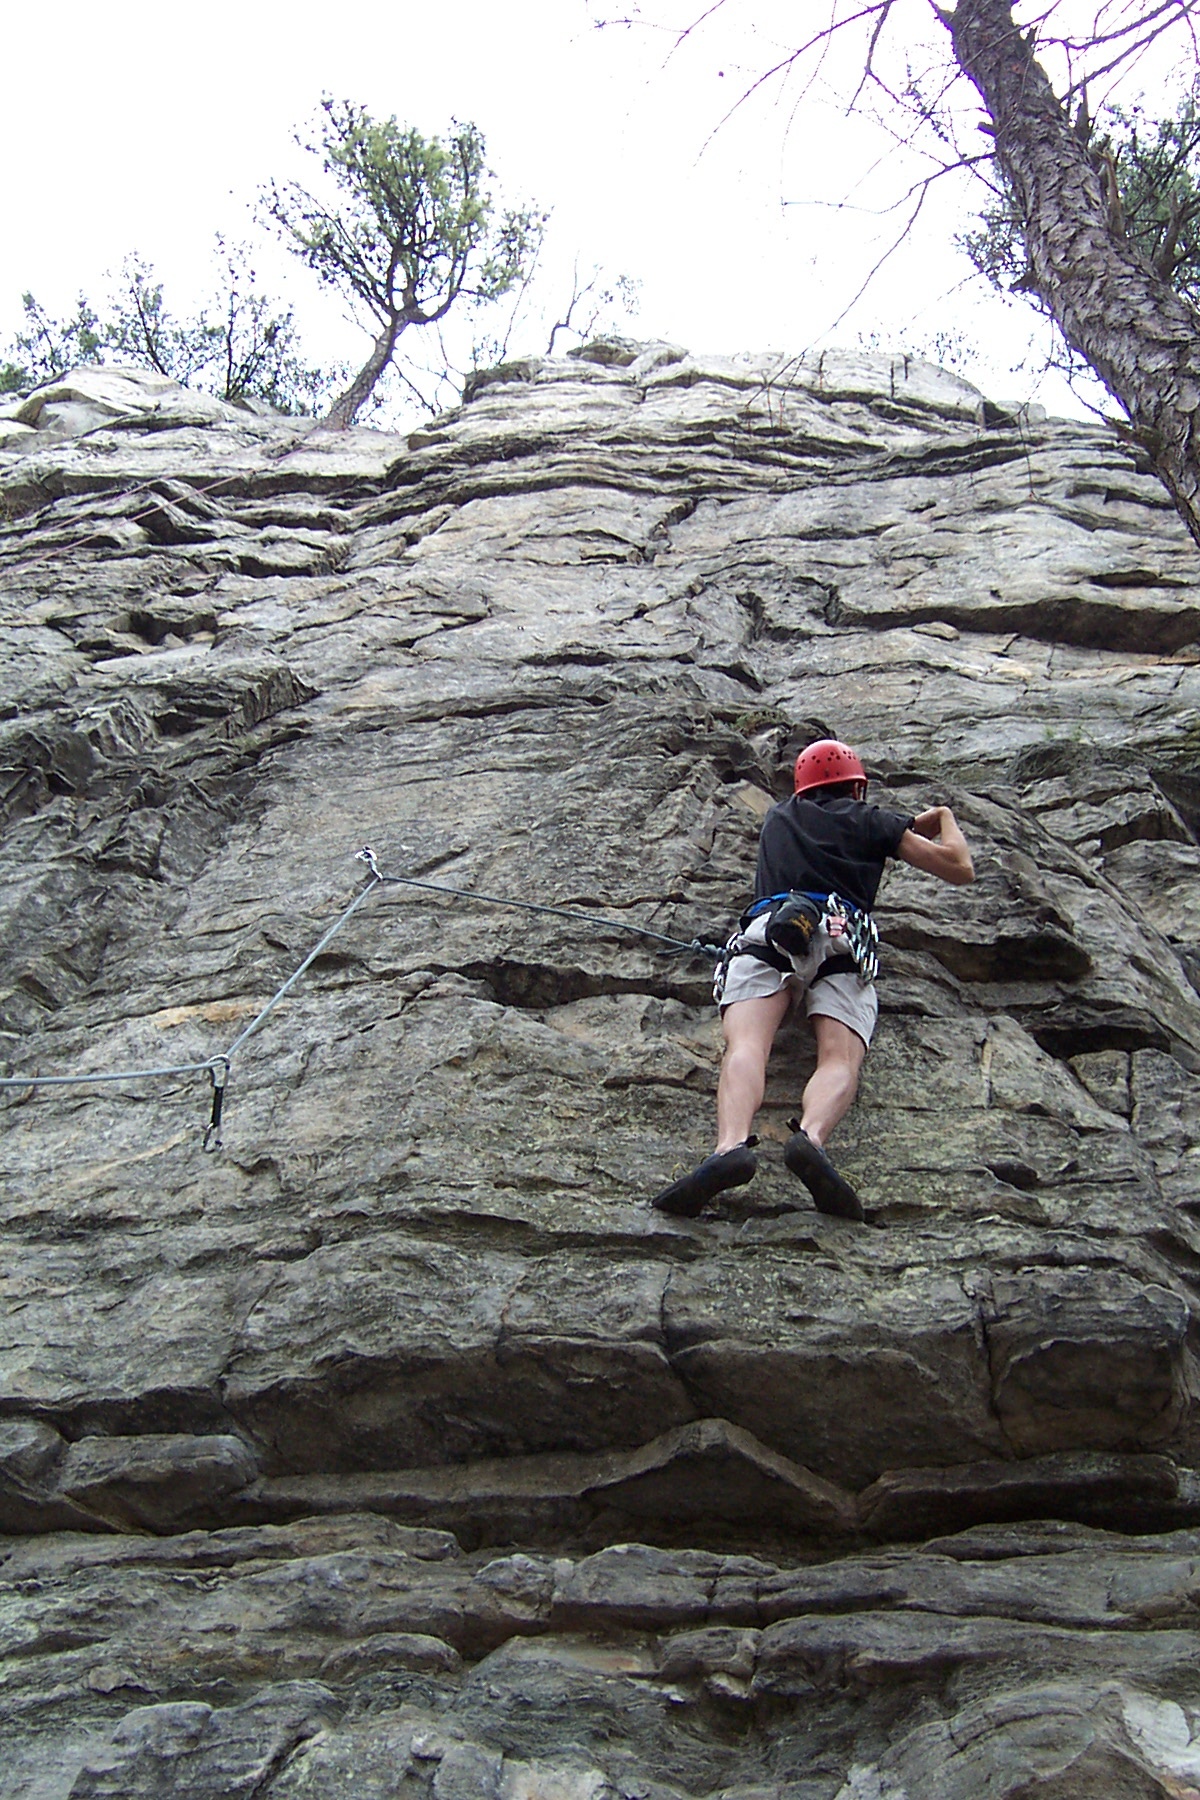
<point>697,946</point>
<point>218,1067</point>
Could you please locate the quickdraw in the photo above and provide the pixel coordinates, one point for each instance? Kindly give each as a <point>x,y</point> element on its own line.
<point>861,934</point>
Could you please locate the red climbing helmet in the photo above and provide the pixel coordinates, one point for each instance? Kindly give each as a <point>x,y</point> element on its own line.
<point>826,762</point>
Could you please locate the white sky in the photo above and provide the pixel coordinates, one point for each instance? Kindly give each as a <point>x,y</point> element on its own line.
<point>130,126</point>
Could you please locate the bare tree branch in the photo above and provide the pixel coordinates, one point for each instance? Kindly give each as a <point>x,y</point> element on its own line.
<point>868,73</point>
<point>1112,302</point>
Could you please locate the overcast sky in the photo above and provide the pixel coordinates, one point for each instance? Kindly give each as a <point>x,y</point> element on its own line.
<point>131,126</point>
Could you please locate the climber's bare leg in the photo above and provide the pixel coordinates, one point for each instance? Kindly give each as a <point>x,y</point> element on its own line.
<point>749,1027</point>
<point>834,1082</point>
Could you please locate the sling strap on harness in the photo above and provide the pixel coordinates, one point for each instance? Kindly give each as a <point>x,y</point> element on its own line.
<point>792,921</point>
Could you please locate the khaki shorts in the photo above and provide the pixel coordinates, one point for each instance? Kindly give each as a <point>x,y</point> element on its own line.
<point>841,997</point>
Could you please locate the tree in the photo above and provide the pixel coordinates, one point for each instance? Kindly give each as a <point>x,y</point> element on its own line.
<point>411,232</point>
<point>591,303</point>
<point>241,344</point>
<point>49,347</point>
<point>454,368</point>
<point>140,329</point>
<point>1150,170</point>
<point>1113,306</point>
<point>1140,335</point>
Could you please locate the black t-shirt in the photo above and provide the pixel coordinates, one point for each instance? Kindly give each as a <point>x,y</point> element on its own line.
<point>827,846</point>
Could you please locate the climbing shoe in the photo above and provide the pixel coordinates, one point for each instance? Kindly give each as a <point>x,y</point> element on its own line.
<point>830,1191</point>
<point>728,1169</point>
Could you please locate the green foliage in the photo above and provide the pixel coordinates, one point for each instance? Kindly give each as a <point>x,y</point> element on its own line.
<point>240,345</point>
<point>48,347</point>
<point>407,229</point>
<point>414,228</point>
<point>1158,177</point>
<point>1155,203</point>
<point>141,330</point>
<point>411,229</point>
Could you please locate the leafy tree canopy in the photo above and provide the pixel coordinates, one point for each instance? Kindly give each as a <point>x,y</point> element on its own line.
<point>1151,168</point>
<point>240,345</point>
<point>48,347</point>
<point>409,231</point>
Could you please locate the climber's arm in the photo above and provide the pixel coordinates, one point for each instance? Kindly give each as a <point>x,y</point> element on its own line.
<point>935,844</point>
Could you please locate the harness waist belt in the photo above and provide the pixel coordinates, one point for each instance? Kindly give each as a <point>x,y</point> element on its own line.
<point>760,906</point>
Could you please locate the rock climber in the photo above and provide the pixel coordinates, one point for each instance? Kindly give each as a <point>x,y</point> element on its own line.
<point>809,932</point>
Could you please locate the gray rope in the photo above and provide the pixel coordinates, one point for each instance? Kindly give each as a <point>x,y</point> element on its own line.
<point>312,956</point>
<point>115,1075</point>
<point>697,945</point>
<point>217,1067</point>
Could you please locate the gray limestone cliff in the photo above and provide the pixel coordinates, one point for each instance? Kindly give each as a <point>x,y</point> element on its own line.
<point>397,1447</point>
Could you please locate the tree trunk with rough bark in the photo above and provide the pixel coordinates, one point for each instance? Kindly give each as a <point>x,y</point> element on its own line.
<point>1139,336</point>
<point>344,410</point>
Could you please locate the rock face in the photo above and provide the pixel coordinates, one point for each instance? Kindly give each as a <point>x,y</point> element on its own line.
<point>395,1447</point>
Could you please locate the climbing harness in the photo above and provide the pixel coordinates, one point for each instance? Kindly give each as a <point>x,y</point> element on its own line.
<point>792,922</point>
<point>218,1067</point>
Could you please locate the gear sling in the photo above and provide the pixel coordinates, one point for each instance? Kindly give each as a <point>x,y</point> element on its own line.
<point>793,919</point>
